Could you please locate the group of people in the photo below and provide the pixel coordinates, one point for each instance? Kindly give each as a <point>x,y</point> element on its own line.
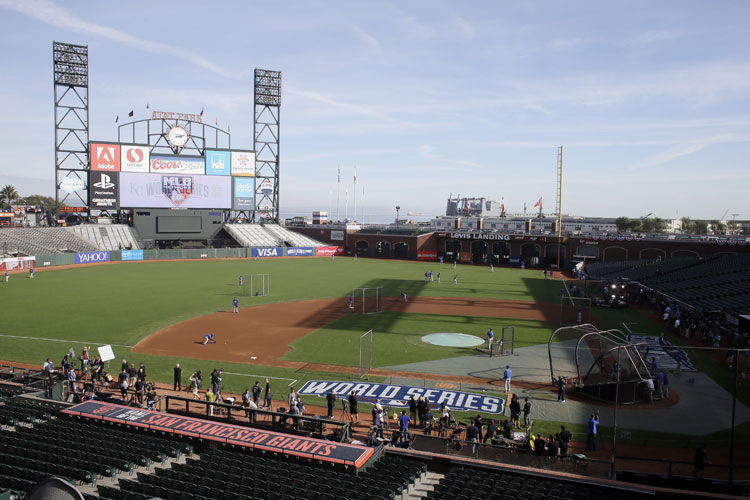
<point>555,445</point>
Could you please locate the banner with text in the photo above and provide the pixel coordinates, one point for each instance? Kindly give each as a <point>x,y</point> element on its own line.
<point>174,191</point>
<point>243,163</point>
<point>398,395</point>
<point>240,435</point>
<point>426,255</point>
<point>131,255</point>
<point>17,263</point>
<point>104,157</point>
<point>268,252</point>
<point>330,251</point>
<point>299,251</point>
<point>177,165</point>
<point>89,257</point>
<point>218,162</point>
<point>244,193</point>
<point>134,158</point>
<point>103,188</point>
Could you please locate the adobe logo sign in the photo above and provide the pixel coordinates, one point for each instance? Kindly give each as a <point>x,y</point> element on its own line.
<point>105,157</point>
<point>134,158</point>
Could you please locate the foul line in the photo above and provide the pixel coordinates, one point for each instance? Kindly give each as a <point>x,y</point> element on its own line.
<point>59,340</point>
<point>293,380</point>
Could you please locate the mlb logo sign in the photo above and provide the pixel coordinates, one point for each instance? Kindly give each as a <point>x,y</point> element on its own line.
<point>105,157</point>
<point>177,188</point>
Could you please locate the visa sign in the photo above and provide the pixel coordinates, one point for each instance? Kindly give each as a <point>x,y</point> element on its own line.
<point>89,257</point>
<point>268,252</point>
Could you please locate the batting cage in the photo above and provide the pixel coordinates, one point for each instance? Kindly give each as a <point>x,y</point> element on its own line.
<point>365,353</point>
<point>504,343</point>
<point>601,364</point>
<point>367,300</point>
<point>256,285</point>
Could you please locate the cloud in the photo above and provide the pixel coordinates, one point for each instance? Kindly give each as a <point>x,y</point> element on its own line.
<point>686,149</point>
<point>465,27</point>
<point>54,15</point>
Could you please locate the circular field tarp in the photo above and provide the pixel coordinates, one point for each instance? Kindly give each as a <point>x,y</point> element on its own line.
<point>452,339</point>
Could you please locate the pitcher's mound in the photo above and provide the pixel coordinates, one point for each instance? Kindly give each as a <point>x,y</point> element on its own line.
<point>452,339</point>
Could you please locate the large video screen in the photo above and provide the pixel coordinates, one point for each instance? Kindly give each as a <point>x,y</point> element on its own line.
<point>172,190</point>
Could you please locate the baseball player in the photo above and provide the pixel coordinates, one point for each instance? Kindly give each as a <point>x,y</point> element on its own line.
<point>351,301</point>
<point>430,275</point>
<point>403,297</point>
<point>241,280</point>
<point>426,275</point>
<point>31,273</point>
<point>490,336</point>
<point>492,268</point>
<point>454,264</point>
<point>235,305</point>
<point>209,337</point>
<point>455,280</point>
<point>7,276</point>
<point>438,276</point>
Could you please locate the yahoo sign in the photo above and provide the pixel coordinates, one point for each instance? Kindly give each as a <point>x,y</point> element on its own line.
<point>89,257</point>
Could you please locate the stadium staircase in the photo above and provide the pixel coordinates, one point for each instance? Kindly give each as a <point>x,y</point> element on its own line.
<point>42,240</point>
<point>107,236</point>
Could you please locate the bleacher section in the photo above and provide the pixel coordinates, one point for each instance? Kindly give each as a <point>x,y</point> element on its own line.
<point>107,236</point>
<point>254,235</point>
<point>42,240</point>
<point>715,283</point>
<point>470,484</point>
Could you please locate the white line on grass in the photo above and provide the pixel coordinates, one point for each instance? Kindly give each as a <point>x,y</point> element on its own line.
<point>60,340</point>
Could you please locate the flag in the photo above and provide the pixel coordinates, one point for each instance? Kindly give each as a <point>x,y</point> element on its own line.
<point>201,111</point>
<point>117,119</point>
<point>502,204</point>
<point>217,122</point>
<point>538,203</point>
<point>147,106</point>
<point>131,113</point>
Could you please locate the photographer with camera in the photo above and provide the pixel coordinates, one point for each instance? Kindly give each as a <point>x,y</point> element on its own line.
<point>150,396</point>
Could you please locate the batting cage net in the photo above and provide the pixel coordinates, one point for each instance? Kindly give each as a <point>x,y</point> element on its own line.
<point>365,353</point>
<point>256,285</point>
<point>367,300</point>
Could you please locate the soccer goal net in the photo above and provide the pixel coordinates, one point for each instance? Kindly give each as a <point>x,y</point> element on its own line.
<point>367,300</point>
<point>256,285</point>
<point>365,353</point>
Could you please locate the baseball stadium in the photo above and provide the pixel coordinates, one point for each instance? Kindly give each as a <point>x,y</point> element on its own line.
<point>166,334</point>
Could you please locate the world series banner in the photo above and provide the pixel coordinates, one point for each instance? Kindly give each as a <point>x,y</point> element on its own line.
<point>317,449</point>
<point>397,396</point>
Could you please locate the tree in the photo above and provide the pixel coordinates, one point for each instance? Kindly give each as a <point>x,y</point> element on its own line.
<point>688,226</point>
<point>700,227</point>
<point>39,200</point>
<point>622,223</point>
<point>8,195</point>
<point>733,227</point>
<point>717,227</point>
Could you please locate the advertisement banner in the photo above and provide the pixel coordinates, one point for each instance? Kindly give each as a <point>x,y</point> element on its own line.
<point>218,162</point>
<point>17,263</point>
<point>426,254</point>
<point>398,396</point>
<point>134,158</point>
<point>337,235</point>
<point>268,252</point>
<point>244,193</point>
<point>177,165</point>
<point>464,257</point>
<point>266,187</point>
<point>103,189</point>
<point>88,257</point>
<point>299,251</point>
<point>174,191</point>
<point>243,163</point>
<point>239,435</point>
<point>131,254</point>
<point>514,260</point>
<point>72,184</point>
<point>330,251</point>
<point>105,157</point>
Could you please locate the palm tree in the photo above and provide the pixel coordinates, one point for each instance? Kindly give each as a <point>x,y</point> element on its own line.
<point>8,195</point>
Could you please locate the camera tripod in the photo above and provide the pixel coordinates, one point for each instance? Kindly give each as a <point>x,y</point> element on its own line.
<point>346,415</point>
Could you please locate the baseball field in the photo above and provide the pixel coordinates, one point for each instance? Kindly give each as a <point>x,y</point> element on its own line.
<point>158,312</point>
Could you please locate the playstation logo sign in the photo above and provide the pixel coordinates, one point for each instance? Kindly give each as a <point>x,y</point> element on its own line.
<point>104,182</point>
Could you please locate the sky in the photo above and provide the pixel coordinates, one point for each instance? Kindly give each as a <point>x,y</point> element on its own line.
<point>650,100</point>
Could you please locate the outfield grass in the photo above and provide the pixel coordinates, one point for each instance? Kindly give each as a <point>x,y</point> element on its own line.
<point>397,337</point>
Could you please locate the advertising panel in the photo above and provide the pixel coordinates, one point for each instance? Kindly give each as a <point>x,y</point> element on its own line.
<point>164,164</point>
<point>88,257</point>
<point>266,187</point>
<point>105,157</point>
<point>17,263</point>
<point>243,163</point>
<point>131,255</point>
<point>398,396</point>
<point>268,252</point>
<point>218,162</point>
<point>174,191</point>
<point>337,235</point>
<point>72,184</point>
<point>464,257</point>
<point>103,190</point>
<point>330,251</point>
<point>299,251</point>
<point>426,255</point>
<point>134,158</point>
<point>351,455</point>
<point>244,193</point>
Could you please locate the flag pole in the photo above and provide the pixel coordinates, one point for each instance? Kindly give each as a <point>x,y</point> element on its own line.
<point>338,196</point>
